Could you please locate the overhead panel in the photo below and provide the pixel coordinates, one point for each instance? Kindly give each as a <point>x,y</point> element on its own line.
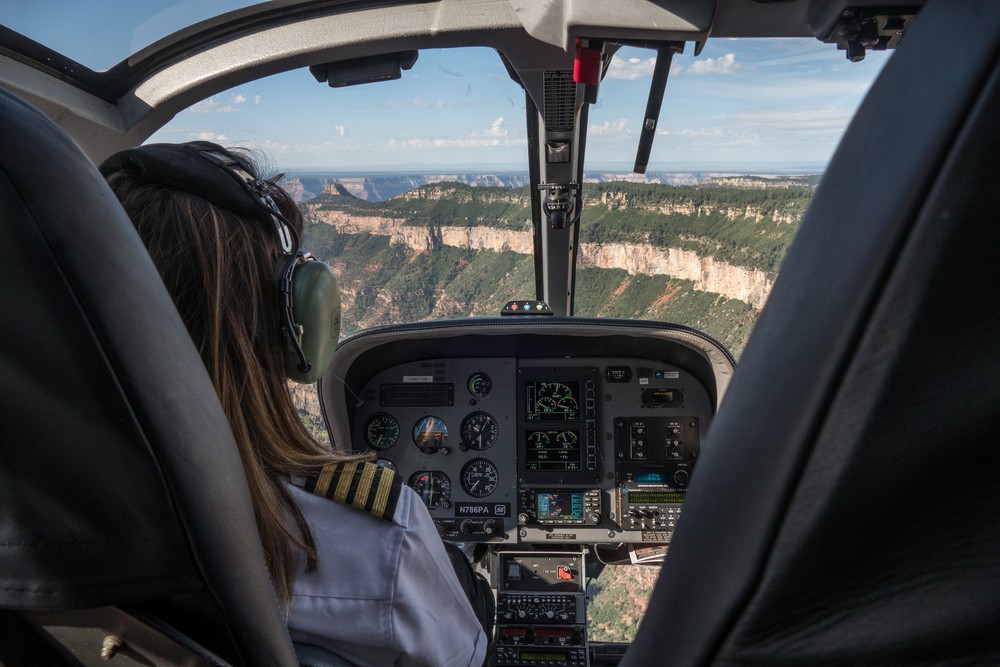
<point>560,22</point>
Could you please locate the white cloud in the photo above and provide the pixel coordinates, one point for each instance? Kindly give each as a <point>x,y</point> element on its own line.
<point>212,136</point>
<point>497,129</point>
<point>769,128</point>
<point>610,128</point>
<point>341,130</point>
<point>418,103</point>
<point>496,136</point>
<point>257,99</point>
<point>212,106</point>
<point>630,69</point>
<point>721,65</point>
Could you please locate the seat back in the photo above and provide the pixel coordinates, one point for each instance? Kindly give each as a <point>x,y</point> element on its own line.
<point>845,506</point>
<point>120,482</point>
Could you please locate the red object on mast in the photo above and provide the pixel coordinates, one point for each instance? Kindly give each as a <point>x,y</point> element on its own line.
<point>587,65</point>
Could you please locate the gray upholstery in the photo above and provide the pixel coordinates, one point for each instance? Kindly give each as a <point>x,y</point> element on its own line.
<point>119,478</point>
<point>844,510</point>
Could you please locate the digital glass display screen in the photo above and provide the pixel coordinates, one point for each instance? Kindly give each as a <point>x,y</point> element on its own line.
<point>554,450</point>
<point>552,401</point>
<point>654,497</point>
<point>559,505</point>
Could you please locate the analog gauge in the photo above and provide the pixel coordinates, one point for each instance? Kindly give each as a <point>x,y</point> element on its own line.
<point>480,478</point>
<point>430,434</point>
<point>567,437</point>
<point>480,431</point>
<point>480,384</point>
<point>433,487</point>
<point>555,397</point>
<point>538,438</point>
<point>386,463</point>
<point>381,431</point>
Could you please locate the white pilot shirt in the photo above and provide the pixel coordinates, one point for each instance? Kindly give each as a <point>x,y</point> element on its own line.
<point>384,592</point>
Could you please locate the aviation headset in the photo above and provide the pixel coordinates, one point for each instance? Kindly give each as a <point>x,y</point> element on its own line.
<point>310,299</point>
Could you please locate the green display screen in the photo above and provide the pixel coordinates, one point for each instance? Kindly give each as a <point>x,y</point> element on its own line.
<point>654,497</point>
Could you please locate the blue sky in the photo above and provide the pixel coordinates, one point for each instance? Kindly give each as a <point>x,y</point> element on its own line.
<point>749,103</point>
<point>741,102</point>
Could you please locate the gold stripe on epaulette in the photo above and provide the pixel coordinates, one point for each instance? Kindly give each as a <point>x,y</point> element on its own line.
<point>364,486</point>
<point>382,493</point>
<point>324,479</point>
<point>346,475</point>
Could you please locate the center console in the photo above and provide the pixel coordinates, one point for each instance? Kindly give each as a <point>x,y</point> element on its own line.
<point>541,609</point>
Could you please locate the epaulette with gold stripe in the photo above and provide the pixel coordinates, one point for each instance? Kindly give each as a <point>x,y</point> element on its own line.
<point>365,485</point>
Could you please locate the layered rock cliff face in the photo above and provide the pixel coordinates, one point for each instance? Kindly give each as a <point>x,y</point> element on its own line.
<point>709,275</point>
<point>620,201</point>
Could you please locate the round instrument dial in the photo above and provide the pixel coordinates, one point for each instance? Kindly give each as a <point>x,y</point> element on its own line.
<point>430,433</point>
<point>433,487</point>
<point>480,431</point>
<point>381,431</point>
<point>480,478</point>
<point>480,384</point>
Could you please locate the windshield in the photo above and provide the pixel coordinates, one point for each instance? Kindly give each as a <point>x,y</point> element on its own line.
<point>416,190</point>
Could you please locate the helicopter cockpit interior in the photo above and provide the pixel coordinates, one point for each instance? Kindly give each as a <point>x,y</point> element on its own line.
<point>829,498</point>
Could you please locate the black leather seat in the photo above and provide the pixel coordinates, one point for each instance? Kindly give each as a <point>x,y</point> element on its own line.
<point>120,484</point>
<point>846,508</point>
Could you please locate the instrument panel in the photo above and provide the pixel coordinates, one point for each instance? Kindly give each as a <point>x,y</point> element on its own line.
<point>549,450</point>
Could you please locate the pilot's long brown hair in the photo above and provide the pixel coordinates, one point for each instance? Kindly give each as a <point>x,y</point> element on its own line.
<point>219,267</point>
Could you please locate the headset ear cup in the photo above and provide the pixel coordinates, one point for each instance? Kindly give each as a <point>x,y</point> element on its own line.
<point>316,310</point>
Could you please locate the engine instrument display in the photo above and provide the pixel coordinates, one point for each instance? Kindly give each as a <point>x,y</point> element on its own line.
<point>381,431</point>
<point>433,487</point>
<point>480,431</point>
<point>552,401</point>
<point>480,478</point>
<point>553,450</point>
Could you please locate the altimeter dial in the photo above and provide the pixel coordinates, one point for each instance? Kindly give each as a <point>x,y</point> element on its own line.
<point>480,478</point>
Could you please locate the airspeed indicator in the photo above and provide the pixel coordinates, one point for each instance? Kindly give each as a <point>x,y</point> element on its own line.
<point>381,431</point>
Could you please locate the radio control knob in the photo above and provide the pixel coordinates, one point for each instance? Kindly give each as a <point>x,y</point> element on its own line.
<point>550,614</point>
<point>594,518</point>
<point>523,518</point>
<point>521,613</point>
<point>681,477</point>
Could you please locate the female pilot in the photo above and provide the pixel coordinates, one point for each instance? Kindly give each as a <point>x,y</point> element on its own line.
<point>372,584</point>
